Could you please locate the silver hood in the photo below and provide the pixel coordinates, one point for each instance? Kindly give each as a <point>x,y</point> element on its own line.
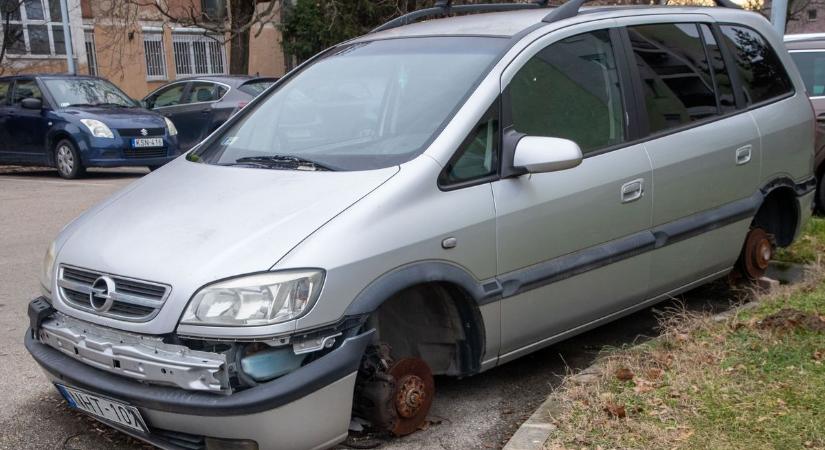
<point>190,224</point>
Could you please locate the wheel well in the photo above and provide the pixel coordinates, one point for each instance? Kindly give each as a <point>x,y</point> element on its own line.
<point>54,139</point>
<point>437,322</point>
<point>779,215</point>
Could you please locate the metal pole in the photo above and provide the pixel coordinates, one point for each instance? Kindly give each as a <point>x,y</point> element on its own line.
<point>779,11</point>
<point>67,37</point>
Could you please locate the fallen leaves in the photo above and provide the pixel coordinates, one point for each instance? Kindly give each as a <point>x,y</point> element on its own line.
<point>614,410</point>
<point>624,374</point>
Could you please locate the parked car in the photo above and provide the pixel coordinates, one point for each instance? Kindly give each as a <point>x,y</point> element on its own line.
<point>198,106</point>
<point>74,122</point>
<point>808,52</point>
<point>437,198</point>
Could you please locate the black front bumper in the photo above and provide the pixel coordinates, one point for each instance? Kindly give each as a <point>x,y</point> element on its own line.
<point>327,369</point>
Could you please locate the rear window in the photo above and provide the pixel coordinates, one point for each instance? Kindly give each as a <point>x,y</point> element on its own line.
<point>254,88</point>
<point>760,71</point>
<point>811,65</point>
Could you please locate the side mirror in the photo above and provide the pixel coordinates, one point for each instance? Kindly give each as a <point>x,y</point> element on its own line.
<point>32,103</point>
<point>546,154</point>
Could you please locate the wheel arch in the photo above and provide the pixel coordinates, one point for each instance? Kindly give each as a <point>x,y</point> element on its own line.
<point>779,212</point>
<point>52,140</point>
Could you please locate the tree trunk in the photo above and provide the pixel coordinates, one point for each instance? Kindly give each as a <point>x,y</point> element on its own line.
<point>241,14</point>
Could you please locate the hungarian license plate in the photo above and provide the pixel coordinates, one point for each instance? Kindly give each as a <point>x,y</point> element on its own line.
<point>147,142</point>
<point>103,408</point>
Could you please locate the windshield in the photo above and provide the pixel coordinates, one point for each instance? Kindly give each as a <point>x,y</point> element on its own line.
<point>366,106</point>
<point>87,92</point>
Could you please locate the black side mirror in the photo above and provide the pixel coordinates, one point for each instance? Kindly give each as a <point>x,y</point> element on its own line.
<point>32,103</point>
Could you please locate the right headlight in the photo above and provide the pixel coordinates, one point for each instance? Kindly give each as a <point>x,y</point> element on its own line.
<point>254,300</point>
<point>97,128</point>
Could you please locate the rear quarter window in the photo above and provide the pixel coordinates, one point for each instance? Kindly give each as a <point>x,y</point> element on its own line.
<point>761,74</point>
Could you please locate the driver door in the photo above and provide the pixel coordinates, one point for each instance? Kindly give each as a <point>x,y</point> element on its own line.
<point>570,243</point>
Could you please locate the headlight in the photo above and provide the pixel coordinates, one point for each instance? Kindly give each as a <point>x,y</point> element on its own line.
<point>262,299</point>
<point>47,271</point>
<point>97,128</point>
<point>171,126</point>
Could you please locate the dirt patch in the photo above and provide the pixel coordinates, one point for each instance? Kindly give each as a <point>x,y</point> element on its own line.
<point>789,319</point>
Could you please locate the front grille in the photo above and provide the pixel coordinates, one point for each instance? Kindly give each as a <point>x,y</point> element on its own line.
<point>133,300</point>
<point>136,132</point>
<point>145,152</point>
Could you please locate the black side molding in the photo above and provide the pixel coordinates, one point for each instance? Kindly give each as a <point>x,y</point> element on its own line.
<point>322,372</point>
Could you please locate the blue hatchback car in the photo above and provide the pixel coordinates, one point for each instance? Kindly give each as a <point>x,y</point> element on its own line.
<point>73,122</point>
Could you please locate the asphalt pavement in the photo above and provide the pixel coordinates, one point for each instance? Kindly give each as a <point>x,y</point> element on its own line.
<point>476,412</point>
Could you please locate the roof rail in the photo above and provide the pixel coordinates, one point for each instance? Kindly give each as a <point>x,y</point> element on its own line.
<point>445,7</point>
<point>571,9</point>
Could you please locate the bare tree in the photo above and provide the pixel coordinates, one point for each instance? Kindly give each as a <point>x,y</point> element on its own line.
<point>11,36</point>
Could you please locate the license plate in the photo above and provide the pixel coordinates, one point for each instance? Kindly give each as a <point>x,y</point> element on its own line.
<point>147,142</point>
<point>103,408</point>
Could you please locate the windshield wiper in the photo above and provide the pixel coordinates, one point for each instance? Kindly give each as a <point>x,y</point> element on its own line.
<point>281,161</point>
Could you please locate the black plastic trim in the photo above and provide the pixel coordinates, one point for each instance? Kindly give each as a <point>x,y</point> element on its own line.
<point>322,372</point>
<point>709,220</point>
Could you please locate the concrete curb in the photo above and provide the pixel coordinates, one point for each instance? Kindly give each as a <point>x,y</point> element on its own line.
<point>535,431</point>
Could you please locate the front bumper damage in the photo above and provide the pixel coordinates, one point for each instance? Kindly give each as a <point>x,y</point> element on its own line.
<point>309,407</point>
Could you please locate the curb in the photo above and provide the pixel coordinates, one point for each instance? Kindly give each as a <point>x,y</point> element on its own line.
<point>535,431</point>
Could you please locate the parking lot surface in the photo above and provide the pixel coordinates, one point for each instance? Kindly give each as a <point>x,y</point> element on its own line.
<point>476,412</point>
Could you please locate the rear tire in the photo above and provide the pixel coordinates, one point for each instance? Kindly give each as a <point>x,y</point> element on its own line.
<point>67,160</point>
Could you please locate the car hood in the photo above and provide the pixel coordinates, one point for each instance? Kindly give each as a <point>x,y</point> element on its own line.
<point>190,224</point>
<point>119,117</point>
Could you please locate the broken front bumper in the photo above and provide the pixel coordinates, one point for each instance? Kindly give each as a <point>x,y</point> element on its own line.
<point>307,408</point>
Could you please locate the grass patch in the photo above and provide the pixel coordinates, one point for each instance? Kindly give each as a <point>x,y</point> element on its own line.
<point>808,248</point>
<point>752,381</point>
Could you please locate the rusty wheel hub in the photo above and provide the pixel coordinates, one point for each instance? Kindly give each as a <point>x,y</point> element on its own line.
<point>756,254</point>
<point>413,396</point>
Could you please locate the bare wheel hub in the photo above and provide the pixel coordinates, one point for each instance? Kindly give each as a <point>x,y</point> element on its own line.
<point>757,253</point>
<point>413,396</point>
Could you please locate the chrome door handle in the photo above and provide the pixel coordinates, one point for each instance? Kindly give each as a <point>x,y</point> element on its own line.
<point>743,155</point>
<point>632,190</point>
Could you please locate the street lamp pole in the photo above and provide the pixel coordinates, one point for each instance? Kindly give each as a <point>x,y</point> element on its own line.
<point>67,37</point>
<point>779,10</point>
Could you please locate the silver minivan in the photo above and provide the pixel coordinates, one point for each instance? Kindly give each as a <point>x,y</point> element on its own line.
<point>437,197</point>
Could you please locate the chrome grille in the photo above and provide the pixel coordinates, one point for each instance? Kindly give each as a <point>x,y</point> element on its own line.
<point>133,300</point>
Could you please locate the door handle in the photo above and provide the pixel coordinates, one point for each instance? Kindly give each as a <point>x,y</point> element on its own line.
<point>743,155</point>
<point>632,190</point>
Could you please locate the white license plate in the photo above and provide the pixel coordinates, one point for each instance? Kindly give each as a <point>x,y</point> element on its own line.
<point>103,408</point>
<point>147,142</point>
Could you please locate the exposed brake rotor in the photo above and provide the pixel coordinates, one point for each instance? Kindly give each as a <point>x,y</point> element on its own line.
<point>413,396</point>
<point>756,254</point>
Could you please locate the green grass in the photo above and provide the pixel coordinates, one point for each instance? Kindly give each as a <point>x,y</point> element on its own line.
<point>808,247</point>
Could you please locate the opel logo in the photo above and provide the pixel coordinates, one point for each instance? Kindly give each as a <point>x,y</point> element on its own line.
<point>101,296</point>
<point>144,132</point>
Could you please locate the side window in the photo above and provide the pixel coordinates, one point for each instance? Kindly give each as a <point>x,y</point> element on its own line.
<point>676,79</point>
<point>168,96</point>
<point>4,92</point>
<point>205,92</point>
<point>25,89</point>
<point>571,90</point>
<point>760,72</point>
<point>478,157</point>
<point>811,65</point>
<point>724,86</point>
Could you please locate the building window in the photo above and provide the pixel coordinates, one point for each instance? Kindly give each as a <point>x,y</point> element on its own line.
<point>812,15</point>
<point>155,57</point>
<point>35,28</point>
<point>198,54</point>
<point>91,51</point>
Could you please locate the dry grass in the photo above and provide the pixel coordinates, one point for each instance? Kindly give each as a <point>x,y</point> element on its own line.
<point>708,383</point>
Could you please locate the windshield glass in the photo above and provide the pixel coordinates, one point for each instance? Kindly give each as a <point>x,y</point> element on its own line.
<point>87,92</point>
<point>366,106</point>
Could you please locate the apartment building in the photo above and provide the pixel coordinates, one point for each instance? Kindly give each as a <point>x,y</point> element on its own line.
<point>138,49</point>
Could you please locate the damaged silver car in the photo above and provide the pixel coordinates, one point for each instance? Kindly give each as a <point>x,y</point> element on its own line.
<point>437,197</point>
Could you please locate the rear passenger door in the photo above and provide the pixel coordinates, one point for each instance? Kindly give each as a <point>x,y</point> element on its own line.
<point>705,153</point>
<point>570,243</point>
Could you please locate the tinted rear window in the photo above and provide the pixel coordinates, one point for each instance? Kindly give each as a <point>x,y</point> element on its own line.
<point>811,65</point>
<point>760,71</point>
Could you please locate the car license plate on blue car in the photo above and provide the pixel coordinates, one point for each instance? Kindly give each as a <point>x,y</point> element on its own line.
<point>103,408</point>
<point>147,142</point>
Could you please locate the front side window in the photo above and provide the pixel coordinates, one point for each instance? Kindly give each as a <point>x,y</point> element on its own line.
<point>760,71</point>
<point>676,79</point>
<point>69,92</point>
<point>811,65</point>
<point>5,87</point>
<point>362,106</point>
<point>571,90</point>
<point>24,89</point>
